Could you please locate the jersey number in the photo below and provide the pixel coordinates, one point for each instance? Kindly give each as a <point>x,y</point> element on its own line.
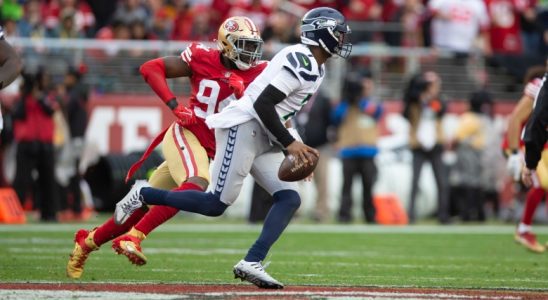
<point>210,100</point>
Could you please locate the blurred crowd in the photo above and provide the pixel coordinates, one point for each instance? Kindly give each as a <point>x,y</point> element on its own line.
<point>517,27</point>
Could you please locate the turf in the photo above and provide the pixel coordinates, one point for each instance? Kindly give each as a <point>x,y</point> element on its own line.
<point>421,256</point>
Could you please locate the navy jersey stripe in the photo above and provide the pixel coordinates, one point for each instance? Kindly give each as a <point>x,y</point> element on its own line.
<point>227,160</point>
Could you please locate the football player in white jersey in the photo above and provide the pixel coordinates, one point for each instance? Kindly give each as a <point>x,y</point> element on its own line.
<point>251,138</point>
<point>10,64</point>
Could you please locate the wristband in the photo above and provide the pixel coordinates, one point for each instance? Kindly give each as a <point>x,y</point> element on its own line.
<point>172,104</point>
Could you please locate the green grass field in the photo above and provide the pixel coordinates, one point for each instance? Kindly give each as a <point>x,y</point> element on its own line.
<point>357,255</point>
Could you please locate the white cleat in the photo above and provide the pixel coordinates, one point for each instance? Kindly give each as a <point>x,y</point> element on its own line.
<point>131,202</point>
<point>254,272</point>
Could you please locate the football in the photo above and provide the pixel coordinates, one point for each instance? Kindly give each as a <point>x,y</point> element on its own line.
<point>292,169</point>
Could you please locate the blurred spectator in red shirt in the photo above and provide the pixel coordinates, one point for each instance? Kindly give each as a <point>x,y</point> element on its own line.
<point>362,11</point>
<point>33,128</point>
<point>257,10</point>
<point>505,25</point>
<point>219,11</point>
<point>183,20</point>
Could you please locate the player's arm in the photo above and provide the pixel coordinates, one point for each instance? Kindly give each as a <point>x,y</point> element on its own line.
<point>521,112</point>
<point>156,71</point>
<point>10,64</point>
<point>265,106</point>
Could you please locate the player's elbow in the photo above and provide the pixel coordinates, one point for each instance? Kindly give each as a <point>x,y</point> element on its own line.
<point>144,69</point>
<point>151,67</point>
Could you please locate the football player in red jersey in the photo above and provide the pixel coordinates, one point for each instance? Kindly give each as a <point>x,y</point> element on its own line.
<point>217,76</point>
<point>512,146</point>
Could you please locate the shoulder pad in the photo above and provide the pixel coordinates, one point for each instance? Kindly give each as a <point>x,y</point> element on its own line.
<point>301,65</point>
<point>193,49</point>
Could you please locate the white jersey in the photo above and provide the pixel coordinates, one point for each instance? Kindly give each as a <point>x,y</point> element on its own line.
<point>294,71</point>
<point>464,20</point>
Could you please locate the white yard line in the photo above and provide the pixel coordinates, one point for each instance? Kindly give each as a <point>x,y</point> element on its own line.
<point>296,228</point>
<point>61,294</point>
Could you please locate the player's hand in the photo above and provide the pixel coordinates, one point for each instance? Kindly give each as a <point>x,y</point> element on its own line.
<point>299,150</point>
<point>236,83</point>
<point>185,116</point>
<point>514,165</point>
<point>527,177</point>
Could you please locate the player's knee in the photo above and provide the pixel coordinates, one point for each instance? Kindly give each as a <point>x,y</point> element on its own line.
<point>290,198</point>
<point>216,209</point>
<point>214,206</point>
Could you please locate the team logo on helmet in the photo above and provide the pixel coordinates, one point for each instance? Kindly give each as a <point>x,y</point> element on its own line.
<point>231,26</point>
<point>324,23</point>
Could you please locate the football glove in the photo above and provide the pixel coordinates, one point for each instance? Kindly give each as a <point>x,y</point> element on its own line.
<point>514,166</point>
<point>185,116</point>
<point>236,83</point>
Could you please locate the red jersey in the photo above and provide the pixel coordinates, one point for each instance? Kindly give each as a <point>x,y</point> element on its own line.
<point>37,124</point>
<point>209,88</point>
<point>505,26</point>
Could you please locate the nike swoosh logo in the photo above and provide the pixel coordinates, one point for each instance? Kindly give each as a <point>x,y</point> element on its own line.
<point>305,62</point>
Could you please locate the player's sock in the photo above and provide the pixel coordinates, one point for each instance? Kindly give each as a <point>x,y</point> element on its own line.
<point>109,230</point>
<point>207,204</point>
<point>285,205</point>
<point>159,214</point>
<point>534,196</point>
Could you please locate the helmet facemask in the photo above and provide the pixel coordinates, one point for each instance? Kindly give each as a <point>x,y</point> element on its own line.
<point>245,52</point>
<point>344,47</point>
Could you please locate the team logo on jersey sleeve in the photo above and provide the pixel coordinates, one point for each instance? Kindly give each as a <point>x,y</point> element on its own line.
<point>231,26</point>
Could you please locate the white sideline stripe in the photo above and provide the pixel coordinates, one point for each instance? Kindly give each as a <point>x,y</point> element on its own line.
<point>296,228</point>
<point>62,294</point>
<point>141,282</point>
<point>368,295</point>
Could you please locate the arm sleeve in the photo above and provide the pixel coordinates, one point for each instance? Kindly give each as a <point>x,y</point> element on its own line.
<point>535,130</point>
<point>153,71</point>
<point>265,106</point>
